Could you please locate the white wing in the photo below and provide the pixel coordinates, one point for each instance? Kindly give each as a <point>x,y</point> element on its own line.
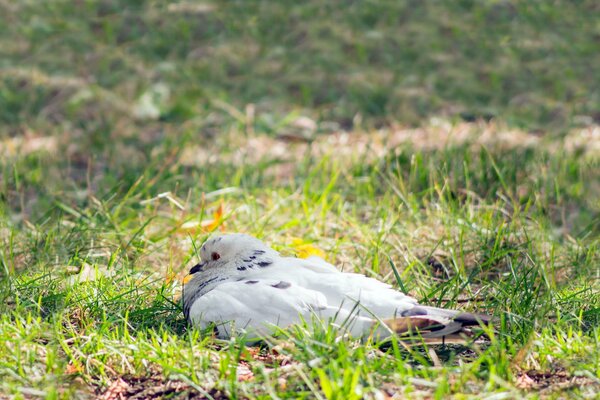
<point>374,296</point>
<point>342,290</point>
<point>254,305</point>
<point>313,263</point>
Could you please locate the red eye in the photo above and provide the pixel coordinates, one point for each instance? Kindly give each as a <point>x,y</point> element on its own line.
<point>215,256</point>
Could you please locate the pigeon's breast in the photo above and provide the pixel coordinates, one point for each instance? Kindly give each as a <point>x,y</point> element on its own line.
<point>193,291</point>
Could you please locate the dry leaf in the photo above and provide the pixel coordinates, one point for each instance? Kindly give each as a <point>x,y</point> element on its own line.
<point>89,273</point>
<point>171,276</point>
<point>216,222</point>
<point>524,381</point>
<point>282,383</point>
<point>208,225</point>
<point>72,369</point>
<point>115,391</point>
<point>243,373</point>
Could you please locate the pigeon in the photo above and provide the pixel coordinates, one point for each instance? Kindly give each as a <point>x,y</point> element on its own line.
<point>241,285</point>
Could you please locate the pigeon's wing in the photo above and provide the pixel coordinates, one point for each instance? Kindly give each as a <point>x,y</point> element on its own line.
<point>342,289</point>
<point>255,305</point>
<point>312,263</point>
<point>317,264</point>
<point>375,297</point>
<point>380,301</point>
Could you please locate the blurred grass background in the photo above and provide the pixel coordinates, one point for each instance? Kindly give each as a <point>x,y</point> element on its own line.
<point>82,63</point>
<point>112,85</point>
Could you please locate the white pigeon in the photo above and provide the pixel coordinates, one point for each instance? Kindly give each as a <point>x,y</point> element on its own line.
<point>242,285</point>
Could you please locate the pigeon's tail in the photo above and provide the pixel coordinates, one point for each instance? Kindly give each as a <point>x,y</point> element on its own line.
<point>435,325</point>
<point>464,318</point>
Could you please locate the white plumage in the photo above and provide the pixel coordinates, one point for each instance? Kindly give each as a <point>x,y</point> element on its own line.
<point>243,285</point>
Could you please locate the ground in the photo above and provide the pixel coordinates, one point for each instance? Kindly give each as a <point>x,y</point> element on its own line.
<point>450,149</point>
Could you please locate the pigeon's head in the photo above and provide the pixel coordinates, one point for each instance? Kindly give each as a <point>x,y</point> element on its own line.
<point>231,251</point>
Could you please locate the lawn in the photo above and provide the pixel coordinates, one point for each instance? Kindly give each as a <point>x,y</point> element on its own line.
<point>451,149</point>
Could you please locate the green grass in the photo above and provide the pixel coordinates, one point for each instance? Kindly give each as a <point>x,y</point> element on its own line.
<point>492,227</point>
<point>482,216</point>
<point>528,63</point>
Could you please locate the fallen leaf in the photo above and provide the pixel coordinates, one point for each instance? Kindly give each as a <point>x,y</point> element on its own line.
<point>216,222</point>
<point>207,225</point>
<point>304,249</point>
<point>72,369</point>
<point>150,103</point>
<point>89,273</point>
<point>525,382</point>
<point>244,373</point>
<point>115,391</point>
<point>282,383</point>
<point>170,277</point>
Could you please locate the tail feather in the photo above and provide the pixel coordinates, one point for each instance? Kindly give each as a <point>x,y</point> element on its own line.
<point>436,325</point>
<point>455,338</point>
<point>424,326</point>
<point>414,324</point>
<point>465,318</point>
<point>470,319</point>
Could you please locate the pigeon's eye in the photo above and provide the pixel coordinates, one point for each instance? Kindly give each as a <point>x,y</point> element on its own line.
<point>215,256</point>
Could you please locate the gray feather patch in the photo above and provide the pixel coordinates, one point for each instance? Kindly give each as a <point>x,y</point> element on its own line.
<point>414,311</point>
<point>282,285</point>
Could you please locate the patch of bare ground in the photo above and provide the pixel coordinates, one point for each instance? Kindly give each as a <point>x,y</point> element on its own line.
<point>155,384</point>
<point>550,382</point>
<point>371,145</point>
<point>155,387</point>
<point>545,384</point>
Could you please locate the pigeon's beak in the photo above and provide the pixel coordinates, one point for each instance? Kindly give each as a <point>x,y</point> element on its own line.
<point>195,268</point>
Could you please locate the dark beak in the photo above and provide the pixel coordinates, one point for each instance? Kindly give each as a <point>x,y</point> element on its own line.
<point>197,268</point>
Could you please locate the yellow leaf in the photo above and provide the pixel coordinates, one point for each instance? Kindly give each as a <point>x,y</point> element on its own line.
<point>305,250</point>
<point>216,222</point>
<point>73,368</point>
<point>170,277</point>
<point>207,225</point>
